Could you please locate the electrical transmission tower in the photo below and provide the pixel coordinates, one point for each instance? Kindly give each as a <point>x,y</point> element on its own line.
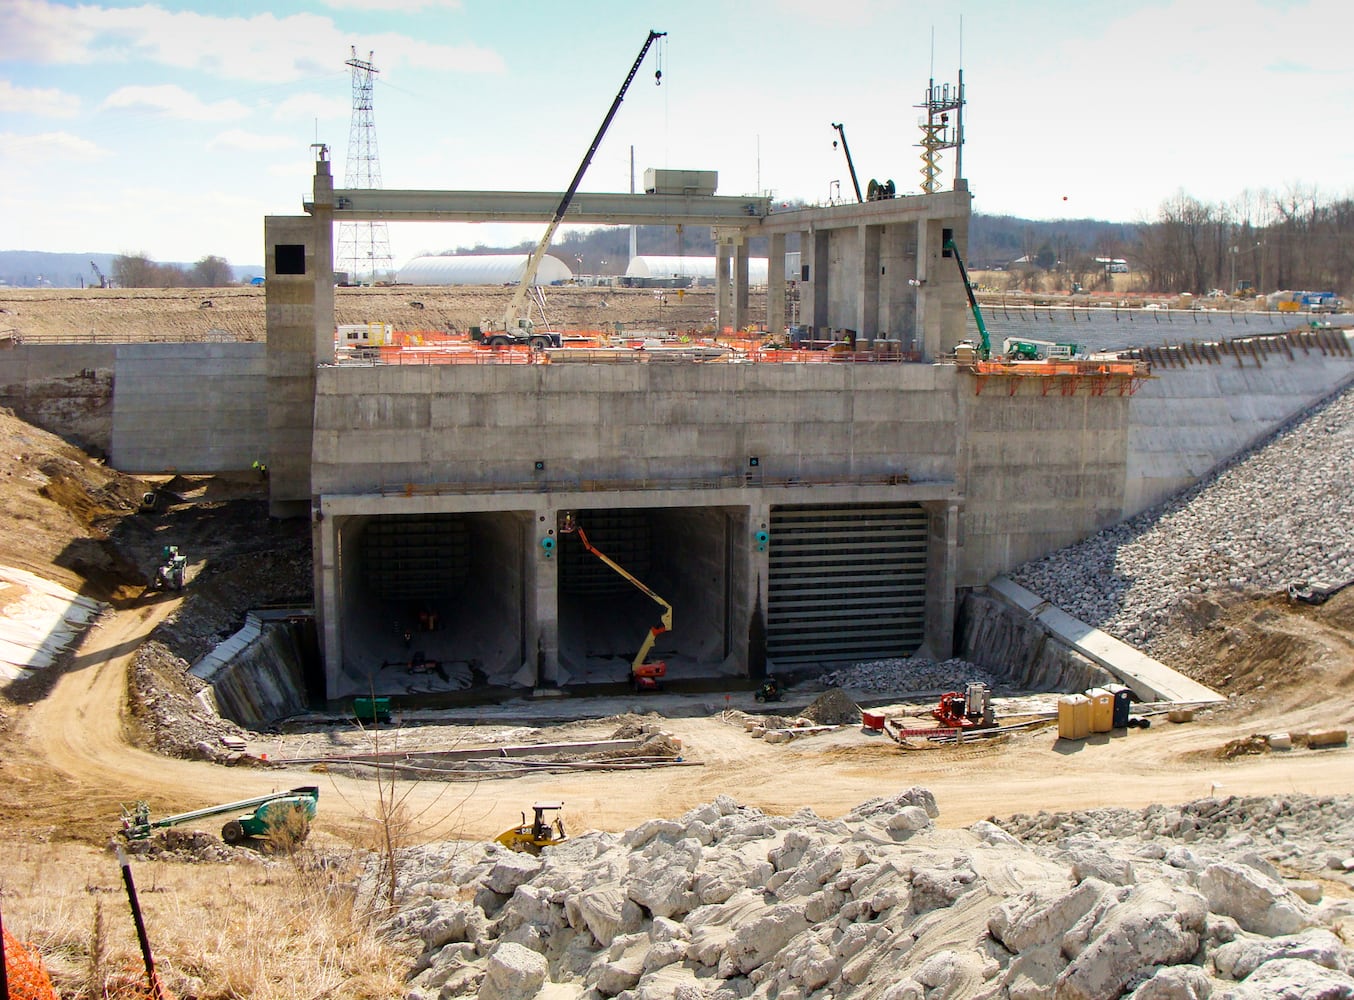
<point>364,247</point>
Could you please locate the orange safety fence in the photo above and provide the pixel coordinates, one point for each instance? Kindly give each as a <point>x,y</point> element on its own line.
<point>1045,368</point>
<point>28,979</point>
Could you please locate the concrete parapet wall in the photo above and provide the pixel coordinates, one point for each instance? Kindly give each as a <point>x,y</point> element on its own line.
<point>189,408</point>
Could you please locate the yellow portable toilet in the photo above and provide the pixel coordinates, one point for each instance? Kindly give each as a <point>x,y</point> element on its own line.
<point>1074,717</point>
<point>1102,710</point>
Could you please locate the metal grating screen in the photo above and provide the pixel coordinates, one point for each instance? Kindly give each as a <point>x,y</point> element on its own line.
<point>846,583</point>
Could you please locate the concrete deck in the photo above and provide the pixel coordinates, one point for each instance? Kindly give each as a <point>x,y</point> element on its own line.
<point>1149,679</point>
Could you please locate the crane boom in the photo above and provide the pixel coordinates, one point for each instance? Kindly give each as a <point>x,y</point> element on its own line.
<point>841,131</point>
<point>985,351</point>
<point>514,317</point>
<point>665,620</point>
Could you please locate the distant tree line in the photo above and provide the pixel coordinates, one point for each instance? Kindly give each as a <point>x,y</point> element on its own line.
<point>139,271</point>
<point>1297,239</point>
<point>1294,240</point>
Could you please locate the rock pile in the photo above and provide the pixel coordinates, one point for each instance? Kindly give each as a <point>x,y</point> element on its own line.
<point>906,676</point>
<point>726,902</point>
<point>1277,515</point>
<point>1311,834</point>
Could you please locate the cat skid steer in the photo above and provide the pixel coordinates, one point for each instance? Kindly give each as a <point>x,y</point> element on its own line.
<point>540,833</point>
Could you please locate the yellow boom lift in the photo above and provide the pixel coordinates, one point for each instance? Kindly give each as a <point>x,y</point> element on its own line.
<point>644,676</point>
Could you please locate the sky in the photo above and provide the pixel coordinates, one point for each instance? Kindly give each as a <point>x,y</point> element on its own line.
<point>172,127</point>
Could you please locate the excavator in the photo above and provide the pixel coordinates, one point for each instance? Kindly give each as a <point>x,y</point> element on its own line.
<point>517,324</point>
<point>644,676</point>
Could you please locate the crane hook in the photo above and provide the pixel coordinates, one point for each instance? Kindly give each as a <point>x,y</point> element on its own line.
<point>658,78</point>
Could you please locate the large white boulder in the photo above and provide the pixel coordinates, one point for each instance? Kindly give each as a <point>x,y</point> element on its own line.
<point>512,973</point>
<point>1154,924</point>
<point>1257,902</point>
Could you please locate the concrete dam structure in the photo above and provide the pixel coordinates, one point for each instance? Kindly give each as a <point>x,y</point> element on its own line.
<point>794,516</point>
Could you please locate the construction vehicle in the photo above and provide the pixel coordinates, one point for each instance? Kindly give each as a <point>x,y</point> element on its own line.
<point>172,571</point>
<point>517,325</point>
<point>540,833</point>
<point>970,710</point>
<point>984,350</point>
<point>644,676</point>
<point>103,282</point>
<point>769,691</point>
<point>286,812</point>
<point>1038,350</point>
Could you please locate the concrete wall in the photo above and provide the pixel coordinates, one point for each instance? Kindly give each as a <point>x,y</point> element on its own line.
<point>1189,420</point>
<point>489,425</point>
<point>63,388</point>
<point>1038,472</point>
<point>189,408</point>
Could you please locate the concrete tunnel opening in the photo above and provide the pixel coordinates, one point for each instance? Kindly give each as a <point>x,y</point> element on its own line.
<point>693,558</point>
<point>432,603</point>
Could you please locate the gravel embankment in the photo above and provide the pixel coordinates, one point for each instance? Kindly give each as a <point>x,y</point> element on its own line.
<point>1281,513</point>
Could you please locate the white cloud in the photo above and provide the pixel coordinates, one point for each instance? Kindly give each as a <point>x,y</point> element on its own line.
<point>47,103</point>
<point>262,48</point>
<point>399,6</point>
<point>173,101</point>
<point>47,146</point>
<point>251,142</point>
<point>44,32</point>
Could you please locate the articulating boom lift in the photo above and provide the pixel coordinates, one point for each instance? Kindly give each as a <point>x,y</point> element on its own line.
<point>644,676</point>
<point>516,320</point>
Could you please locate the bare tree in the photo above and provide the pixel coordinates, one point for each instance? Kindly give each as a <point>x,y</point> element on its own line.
<point>212,272</point>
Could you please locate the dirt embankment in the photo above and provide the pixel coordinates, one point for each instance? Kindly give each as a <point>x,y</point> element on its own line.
<point>94,315</point>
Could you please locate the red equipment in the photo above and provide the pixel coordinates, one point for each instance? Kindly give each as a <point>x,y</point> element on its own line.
<point>971,709</point>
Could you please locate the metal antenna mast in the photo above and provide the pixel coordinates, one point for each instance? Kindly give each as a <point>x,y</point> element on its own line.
<point>364,247</point>
<point>937,131</point>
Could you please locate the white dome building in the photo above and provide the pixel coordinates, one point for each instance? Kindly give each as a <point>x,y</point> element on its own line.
<point>702,269</point>
<point>480,269</point>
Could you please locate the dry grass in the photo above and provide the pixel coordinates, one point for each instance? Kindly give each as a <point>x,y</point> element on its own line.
<point>266,932</point>
<point>106,315</point>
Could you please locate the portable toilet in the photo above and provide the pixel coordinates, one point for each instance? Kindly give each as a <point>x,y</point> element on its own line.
<point>1074,717</point>
<point>1123,701</point>
<point>1102,710</point>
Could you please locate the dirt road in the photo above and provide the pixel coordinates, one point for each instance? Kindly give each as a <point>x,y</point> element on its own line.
<point>73,766</point>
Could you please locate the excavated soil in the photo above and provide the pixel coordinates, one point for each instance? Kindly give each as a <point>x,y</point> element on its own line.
<point>92,315</point>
